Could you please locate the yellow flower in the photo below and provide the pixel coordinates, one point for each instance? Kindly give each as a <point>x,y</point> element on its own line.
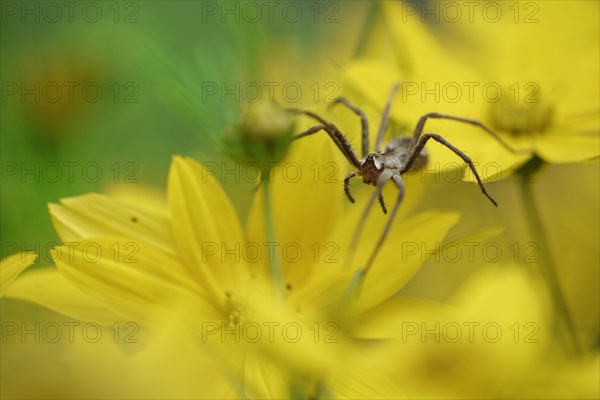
<point>131,262</point>
<point>490,341</point>
<point>550,104</point>
<point>124,262</point>
<point>520,81</point>
<point>517,76</point>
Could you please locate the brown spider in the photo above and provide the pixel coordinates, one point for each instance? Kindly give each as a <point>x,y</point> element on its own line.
<point>399,156</point>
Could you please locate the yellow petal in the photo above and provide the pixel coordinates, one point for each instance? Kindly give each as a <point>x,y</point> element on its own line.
<point>409,244</point>
<point>407,247</point>
<point>264,378</point>
<point>523,313</point>
<point>567,148</point>
<point>563,378</point>
<point>150,198</point>
<point>12,266</point>
<point>493,335</point>
<point>306,198</point>
<point>131,278</point>
<point>48,288</point>
<point>390,318</point>
<point>364,372</point>
<point>205,225</point>
<point>96,215</point>
<point>175,364</point>
<point>501,164</point>
<point>381,76</point>
<point>416,48</point>
<point>58,371</point>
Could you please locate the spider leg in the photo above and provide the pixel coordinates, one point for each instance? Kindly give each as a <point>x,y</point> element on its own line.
<point>363,120</point>
<point>318,128</point>
<point>334,133</point>
<point>421,124</point>
<point>385,118</point>
<point>347,185</point>
<point>383,178</point>
<point>421,143</point>
<point>382,203</point>
<point>309,131</point>
<point>397,179</point>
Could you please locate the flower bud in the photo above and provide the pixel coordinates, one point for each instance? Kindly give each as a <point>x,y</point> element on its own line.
<point>265,120</point>
<point>262,135</point>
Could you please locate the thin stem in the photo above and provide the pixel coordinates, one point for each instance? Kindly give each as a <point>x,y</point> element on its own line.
<point>270,237</point>
<point>548,267</point>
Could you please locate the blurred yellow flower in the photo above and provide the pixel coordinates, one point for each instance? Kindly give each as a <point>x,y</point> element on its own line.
<point>494,339</point>
<point>550,104</point>
<point>50,356</point>
<point>136,262</point>
<point>517,77</point>
<point>520,81</point>
<point>138,265</point>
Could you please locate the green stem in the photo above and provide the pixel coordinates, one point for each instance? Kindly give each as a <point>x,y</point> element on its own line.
<point>270,237</point>
<point>548,267</point>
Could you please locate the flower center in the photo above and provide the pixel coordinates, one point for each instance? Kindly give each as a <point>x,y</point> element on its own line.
<point>521,118</point>
<point>238,312</point>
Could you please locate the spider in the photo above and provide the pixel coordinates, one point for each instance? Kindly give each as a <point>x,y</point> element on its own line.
<point>399,156</point>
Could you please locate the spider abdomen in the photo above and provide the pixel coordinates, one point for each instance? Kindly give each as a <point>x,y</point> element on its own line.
<point>399,148</point>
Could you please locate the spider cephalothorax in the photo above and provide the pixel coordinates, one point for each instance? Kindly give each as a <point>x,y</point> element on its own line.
<point>393,158</point>
<point>399,156</point>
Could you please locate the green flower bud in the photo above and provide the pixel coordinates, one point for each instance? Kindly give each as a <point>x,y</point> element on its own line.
<point>262,135</point>
<point>265,120</point>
